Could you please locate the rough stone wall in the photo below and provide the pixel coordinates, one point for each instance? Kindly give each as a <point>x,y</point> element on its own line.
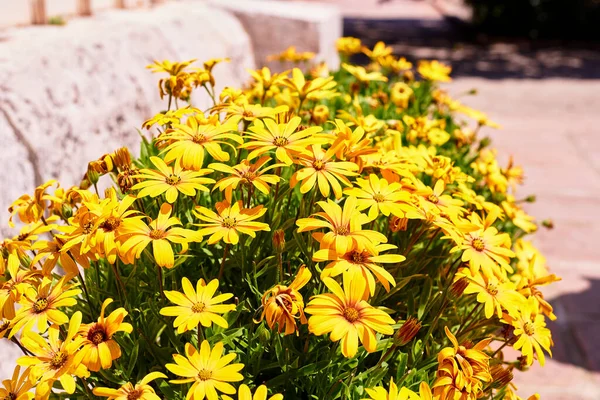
<point>70,94</point>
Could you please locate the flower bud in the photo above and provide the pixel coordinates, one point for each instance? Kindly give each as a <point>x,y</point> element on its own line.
<point>548,223</point>
<point>408,331</point>
<point>264,335</point>
<point>398,224</point>
<point>530,199</point>
<point>320,114</point>
<point>66,211</point>
<point>459,286</point>
<point>279,240</point>
<point>501,376</point>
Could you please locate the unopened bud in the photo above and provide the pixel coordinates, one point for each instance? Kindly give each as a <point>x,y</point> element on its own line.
<point>408,76</point>
<point>459,286</point>
<point>93,176</point>
<point>501,376</point>
<point>408,331</point>
<point>66,211</point>
<point>548,223</point>
<point>264,335</point>
<point>530,199</point>
<point>485,142</point>
<point>279,240</point>
<point>398,224</point>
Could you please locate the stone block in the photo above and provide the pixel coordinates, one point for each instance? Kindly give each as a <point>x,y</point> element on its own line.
<point>14,13</point>
<point>273,26</point>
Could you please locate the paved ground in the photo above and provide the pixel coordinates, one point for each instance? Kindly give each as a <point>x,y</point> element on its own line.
<point>547,99</point>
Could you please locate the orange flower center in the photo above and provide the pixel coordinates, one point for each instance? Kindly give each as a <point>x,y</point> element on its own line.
<point>351,314</point>
<point>134,395</point>
<point>204,374</point>
<point>97,334</point>
<point>280,141</point>
<point>492,289</point>
<point>229,222</point>
<point>172,180</point>
<point>529,328</point>
<point>199,138</point>
<point>478,244</point>
<point>250,175</point>
<point>58,360</point>
<point>198,307</point>
<point>318,165</point>
<point>40,305</point>
<point>357,257</point>
<point>379,197</point>
<point>11,396</point>
<point>111,224</point>
<point>248,114</point>
<point>156,234</point>
<point>87,227</point>
<point>433,198</point>
<point>342,230</point>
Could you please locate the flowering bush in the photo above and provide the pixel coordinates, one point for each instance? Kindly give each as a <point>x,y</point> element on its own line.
<point>315,235</point>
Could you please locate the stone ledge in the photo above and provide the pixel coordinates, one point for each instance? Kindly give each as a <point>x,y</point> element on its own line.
<point>69,94</point>
<point>273,26</point>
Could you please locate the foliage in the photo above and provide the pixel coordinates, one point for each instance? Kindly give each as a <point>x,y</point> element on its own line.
<point>316,235</point>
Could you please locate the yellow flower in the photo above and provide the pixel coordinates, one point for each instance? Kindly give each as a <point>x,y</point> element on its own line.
<point>379,196</point>
<point>282,305</point>
<point>400,94</point>
<point>434,202</point>
<point>250,112</point>
<point>345,227</point>
<point>51,252</point>
<point>347,316</point>
<point>316,89</point>
<point>30,209</point>
<point>361,261</point>
<point>13,289</point>
<point>161,234</point>
<point>321,170</point>
<point>98,345</point>
<point>379,393</point>
<point>141,391</point>
<point>199,306</point>
<point>168,118</point>
<point>351,145</point>
<point>533,336</point>
<point>170,67</point>
<point>485,249</point>
<point>247,174</point>
<point>348,45</point>
<point>17,388</point>
<point>362,75</point>
<point>38,307</point>
<point>261,393</point>
<point>393,64</point>
<point>379,50</point>
<point>187,143</point>
<point>54,359</point>
<point>170,180</point>
<point>496,294</point>
<point>290,54</point>
<point>208,369</point>
<point>230,220</point>
<point>285,139</point>
<point>265,79</point>
<point>434,71</point>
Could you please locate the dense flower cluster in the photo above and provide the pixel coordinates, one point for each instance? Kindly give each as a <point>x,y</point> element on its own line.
<point>316,234</point>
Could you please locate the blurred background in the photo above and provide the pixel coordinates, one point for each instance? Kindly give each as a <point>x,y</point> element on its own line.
<point>73,87</point>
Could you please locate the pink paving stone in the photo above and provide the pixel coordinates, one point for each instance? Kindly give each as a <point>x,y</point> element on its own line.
<point>396,9</point>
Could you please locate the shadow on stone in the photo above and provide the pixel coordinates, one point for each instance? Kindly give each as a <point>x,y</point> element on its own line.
<point>577,328</point>
<point>456,45</point>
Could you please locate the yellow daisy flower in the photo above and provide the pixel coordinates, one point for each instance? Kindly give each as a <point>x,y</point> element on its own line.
<point>199,306</point>
<point>347,316</point>
<point>98,345</point>
<point>285,139</point>
<point>38,307</point>
<point>362,261</point>
<point>434,71</point>
<point>533,336</point>
<point>379,196</point>
<point>380,393</point>
<point>261,393</point>
<point>247,174</point>
<point>230,220</point>
<point>17,388</point>
<point>362,75</point>
<point>170,180</point>
<point>496,294</point>
<point>161,234</point>
<point>345,227</point>
<point>208,369</point>
<point>321,170</point>
<point>54,359</point>
<point>188,142</point>
<point>141,391</point>
<point>379,50</point>
<point>316,89</point>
